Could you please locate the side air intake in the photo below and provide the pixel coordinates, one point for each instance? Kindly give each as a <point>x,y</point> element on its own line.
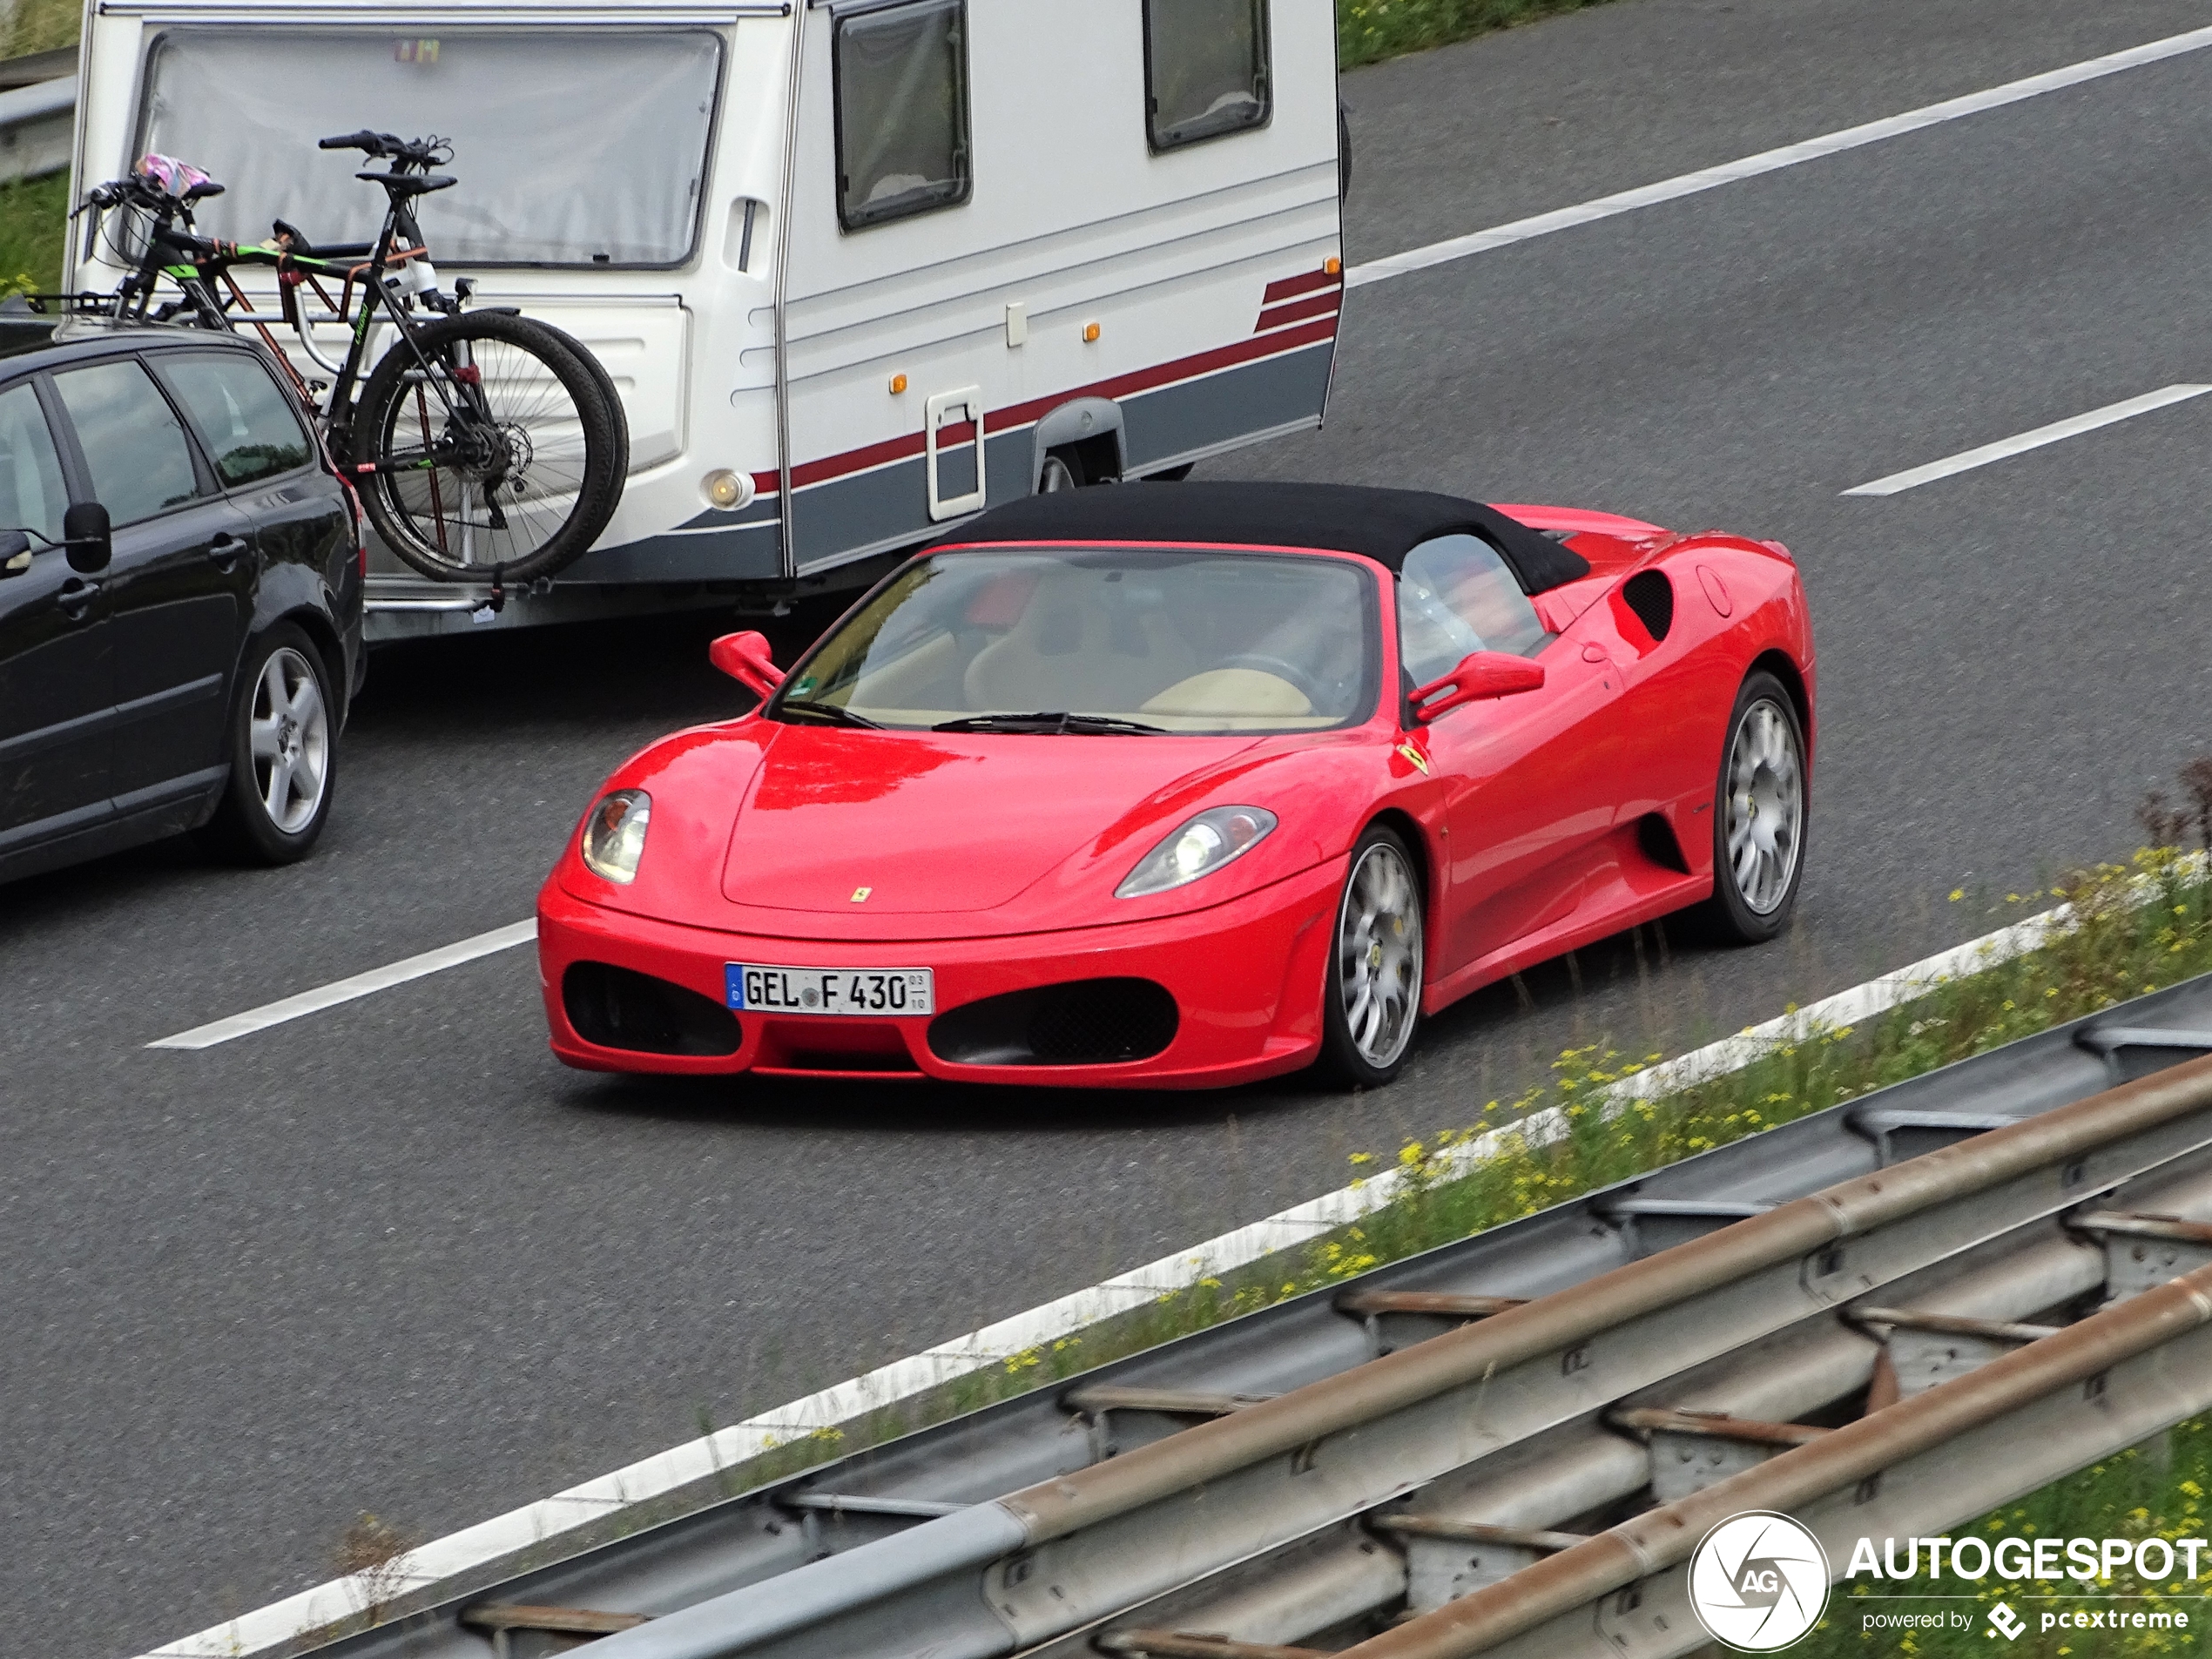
<point>1652,598</point>
<point>1086,1023</point>
<point>618,1007</point>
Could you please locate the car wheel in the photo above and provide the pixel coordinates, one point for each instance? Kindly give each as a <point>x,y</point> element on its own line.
<point>1759,811</point>
<point>283,753</point>
<point>1373,1001</point>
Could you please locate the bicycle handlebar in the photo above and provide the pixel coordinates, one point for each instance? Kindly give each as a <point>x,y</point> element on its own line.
<point>408,152</point>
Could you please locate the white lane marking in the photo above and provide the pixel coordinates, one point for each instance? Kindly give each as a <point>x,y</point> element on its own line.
<point>553,1528</point>
<point>1788,155</point>
<point>1967,460</point>
<point>347,990</point>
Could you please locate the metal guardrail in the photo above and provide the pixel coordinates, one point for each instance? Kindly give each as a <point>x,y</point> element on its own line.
<point>1281,1449</point>
<point>37,122</point>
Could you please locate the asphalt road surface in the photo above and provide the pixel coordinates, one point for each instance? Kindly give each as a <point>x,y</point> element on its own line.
<point>394,1258</point>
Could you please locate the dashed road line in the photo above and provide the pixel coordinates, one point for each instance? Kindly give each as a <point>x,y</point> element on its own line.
<point>1766,161</point>
<point>1967,460</point>
<point>349,990</point>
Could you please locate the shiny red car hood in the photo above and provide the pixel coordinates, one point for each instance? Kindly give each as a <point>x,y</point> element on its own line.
<point>853,823</point>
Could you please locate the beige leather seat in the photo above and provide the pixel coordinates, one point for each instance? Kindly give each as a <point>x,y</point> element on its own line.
<point>1232,694</point>
<point>1078,647</point>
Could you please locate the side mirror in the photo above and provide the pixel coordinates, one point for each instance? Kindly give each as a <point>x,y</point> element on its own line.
<point>1481,675</point>
<point>15,553</point>
<point>745,658</point>
<point>85,534</point>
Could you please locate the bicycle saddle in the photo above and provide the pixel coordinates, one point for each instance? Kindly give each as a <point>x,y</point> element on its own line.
<point>401,183</point>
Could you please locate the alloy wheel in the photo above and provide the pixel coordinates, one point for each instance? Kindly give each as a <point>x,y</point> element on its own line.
<point>1378,955</point>
<point>1766,806</point>
<point>289,733</point>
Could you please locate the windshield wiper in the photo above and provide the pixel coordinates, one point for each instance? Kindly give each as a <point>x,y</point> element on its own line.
<point>1052,722</point>
<point>829,712</point>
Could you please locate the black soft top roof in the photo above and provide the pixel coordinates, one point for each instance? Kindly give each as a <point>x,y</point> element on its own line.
<point>1383,524</point>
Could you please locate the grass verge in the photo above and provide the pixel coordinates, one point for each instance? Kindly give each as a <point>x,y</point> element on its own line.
<point>2152,1490</point>
<point>1369,30</point>
<point>40,26</point>
<point>33,217</point>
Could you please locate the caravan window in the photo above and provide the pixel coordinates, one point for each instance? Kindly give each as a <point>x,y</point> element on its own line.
<point>902,74</point>
<point>1206,69</point>
<point>553,170</point>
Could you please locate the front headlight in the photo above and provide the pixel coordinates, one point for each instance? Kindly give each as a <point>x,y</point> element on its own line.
<point>614,834</point>
<point>1200,848</point>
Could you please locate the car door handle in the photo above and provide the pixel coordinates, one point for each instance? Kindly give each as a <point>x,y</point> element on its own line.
<point>75,598</point>
<point>226,550</point>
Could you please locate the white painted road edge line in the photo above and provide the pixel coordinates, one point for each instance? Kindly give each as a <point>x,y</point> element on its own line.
<point>1788,155</point>
<point>347,990</point>
<point>447,1561</point>
<point>1967,460</point>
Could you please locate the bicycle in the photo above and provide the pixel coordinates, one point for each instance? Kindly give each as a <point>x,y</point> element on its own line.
<point>481,443</point>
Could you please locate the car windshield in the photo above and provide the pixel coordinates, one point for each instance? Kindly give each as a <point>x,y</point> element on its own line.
<point>1105,641</point>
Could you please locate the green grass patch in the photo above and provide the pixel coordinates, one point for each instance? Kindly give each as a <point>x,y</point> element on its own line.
<point>34,218</point>
<point>1369,30</point>
<point>2153,1490</point>
<point>40,26</point>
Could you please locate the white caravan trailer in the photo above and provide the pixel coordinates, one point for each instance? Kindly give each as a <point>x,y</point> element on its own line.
<point>858,267</point>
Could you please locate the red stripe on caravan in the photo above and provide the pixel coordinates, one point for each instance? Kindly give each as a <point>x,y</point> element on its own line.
<point>1321,304</point>
<point>1289,287</point>
<point>1022,415</point>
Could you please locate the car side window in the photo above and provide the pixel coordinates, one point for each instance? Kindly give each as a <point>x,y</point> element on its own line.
<point>248,427</point>
<point>901,81</point>
<point>138,456</point>
<point>32,493</point>
<point>1205,70</point>
<point>1457,594</point>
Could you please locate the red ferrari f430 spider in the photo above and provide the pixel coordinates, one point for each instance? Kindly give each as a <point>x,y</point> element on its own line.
<point>1175,787</point>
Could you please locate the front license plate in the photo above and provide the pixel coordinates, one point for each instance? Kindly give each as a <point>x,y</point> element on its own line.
<point>831,990</point>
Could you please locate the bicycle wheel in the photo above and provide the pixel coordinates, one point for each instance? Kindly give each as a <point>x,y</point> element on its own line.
<point>501,459</point>
<point>605,382</point>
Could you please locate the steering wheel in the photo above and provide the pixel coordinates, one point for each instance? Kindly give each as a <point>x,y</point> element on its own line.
<point>1308,687</point>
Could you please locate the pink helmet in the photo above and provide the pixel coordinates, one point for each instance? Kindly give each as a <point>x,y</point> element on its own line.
<point>174,176</point>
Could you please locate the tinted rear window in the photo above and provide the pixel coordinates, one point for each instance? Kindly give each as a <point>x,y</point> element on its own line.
<point>244,420</point>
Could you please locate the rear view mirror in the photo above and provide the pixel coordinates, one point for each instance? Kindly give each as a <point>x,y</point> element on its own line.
<point>1481,675</point>
<point>15,553</point>
<point>745,658</point>
<point>85,534</point>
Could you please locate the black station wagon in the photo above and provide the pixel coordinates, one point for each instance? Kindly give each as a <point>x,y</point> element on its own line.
<point>180,597</point>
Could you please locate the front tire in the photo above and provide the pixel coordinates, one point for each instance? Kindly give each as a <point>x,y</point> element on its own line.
<point>1371,1004</point>
<point>283,751</point>
<point>1759,811</point>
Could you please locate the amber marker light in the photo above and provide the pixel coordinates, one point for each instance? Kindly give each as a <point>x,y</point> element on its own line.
<point>898,384</point>
<point>1091,332</point>
<point>1333,265</point>
<point>727,490</point>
